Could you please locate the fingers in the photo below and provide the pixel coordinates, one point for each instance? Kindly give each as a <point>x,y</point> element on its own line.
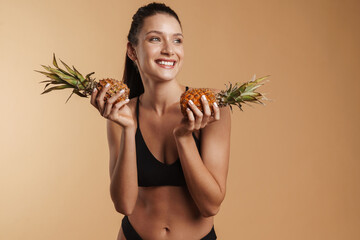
<point>106,108</point>
<point>109,103</point>
<point>100,99</point>
<point>216,112</point>
<point>97,99</point>
<point>206,110</point>
<point>198,119</point>
<point>114,113</point>
<point>191,120</point>
<point>118,105</point>
<point>93,97</point>
<point>197,114</point>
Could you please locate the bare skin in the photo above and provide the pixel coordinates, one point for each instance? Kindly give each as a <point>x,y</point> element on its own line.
<point>166,212</point>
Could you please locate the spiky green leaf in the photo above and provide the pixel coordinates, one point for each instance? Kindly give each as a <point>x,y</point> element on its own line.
<point>79,93</point>
<point>57,70</point>
<point>248,98</point>
<point>242,87</point>
<point>54,83</point>
<point>69,79</point>
<point>261,79</point>
<point>45,81</point>
<point>53,76</point>
<point>253,94</point>
<point>56,88</point>
<point>69,69</point>
<point>252,88</point>
<point>78,75</point>
<point>69,97</point>
<point>88,75</point>
<point>239,105</point>
<point>54,61</point>
<point>231,108</point>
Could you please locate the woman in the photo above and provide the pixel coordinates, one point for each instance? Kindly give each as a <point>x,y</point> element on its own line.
<point>168,173</point>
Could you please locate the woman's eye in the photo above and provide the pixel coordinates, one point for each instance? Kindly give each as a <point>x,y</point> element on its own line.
<point>178,40</point>
<point>154,39</point>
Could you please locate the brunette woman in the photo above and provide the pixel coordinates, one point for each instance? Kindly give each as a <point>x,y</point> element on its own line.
<point>168,173</point>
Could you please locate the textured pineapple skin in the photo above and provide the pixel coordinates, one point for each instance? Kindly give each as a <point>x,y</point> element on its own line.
<point>195,94</point>
<point>115,87</point>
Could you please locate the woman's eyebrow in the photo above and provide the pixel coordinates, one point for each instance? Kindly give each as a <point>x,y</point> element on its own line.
<point>158,32</point>
<point>178,34</point>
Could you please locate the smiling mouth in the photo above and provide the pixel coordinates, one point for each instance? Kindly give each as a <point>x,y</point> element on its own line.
<point>166,64</point>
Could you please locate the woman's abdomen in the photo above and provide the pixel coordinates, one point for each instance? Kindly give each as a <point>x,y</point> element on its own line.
<point>168,212</point>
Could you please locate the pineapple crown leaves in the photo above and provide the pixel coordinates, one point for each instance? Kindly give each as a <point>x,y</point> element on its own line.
<point>237,94</point>
<point>71,78</point>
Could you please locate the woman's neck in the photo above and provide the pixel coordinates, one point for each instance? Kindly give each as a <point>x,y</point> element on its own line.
<point>159,96</point>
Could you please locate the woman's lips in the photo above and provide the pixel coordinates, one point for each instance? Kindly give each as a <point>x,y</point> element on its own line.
<point>166,63</point>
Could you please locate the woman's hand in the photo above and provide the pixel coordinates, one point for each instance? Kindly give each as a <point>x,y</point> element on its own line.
<point>119,113</point>
<point>196,119</point>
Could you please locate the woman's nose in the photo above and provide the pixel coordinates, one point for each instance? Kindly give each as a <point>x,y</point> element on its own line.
<point>167,49</point>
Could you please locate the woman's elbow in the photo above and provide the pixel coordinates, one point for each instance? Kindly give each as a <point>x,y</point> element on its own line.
<point>124,205</point>
<point>210,211</point>
<point>125,211</point>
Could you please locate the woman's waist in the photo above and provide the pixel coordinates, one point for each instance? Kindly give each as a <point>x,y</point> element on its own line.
<point>162,203</point>
<point>168,223</point>
<point>166,201</point>
<point>170,207</point>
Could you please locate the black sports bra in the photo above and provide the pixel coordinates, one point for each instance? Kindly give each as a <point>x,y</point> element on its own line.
<point>152,172</point>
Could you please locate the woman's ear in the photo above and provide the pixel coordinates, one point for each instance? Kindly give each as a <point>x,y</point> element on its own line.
<point>131,51</point>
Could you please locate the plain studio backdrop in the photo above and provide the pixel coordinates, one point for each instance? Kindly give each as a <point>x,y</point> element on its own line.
<point>294,168</point>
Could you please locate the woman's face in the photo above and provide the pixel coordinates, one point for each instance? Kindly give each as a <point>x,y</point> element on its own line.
<point>159,52</point>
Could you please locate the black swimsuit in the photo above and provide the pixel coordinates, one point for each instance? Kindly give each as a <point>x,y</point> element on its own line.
<point>152,172</point>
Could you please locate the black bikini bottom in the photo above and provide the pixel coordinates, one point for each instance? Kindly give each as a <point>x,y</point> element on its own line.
<point>131,234</point>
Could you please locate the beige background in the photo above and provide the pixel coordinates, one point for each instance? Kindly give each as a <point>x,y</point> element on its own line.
<point>294,167</point>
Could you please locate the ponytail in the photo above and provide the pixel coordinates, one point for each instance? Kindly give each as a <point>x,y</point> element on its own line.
<point>132,78</point>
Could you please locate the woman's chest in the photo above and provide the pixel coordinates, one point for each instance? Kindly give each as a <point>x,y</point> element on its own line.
<point>157,133</point>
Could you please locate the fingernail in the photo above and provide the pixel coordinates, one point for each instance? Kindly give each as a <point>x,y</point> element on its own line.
<point>94,90</point>
<point>127,100</point>
<point>191,102</point>
<point>215,104</point>
<point>122,91</point>
<point>203,97</point>
<point>187,109</point>
<point>108,84</point>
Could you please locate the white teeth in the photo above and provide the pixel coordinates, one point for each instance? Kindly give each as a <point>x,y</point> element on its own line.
<point>166,63</point>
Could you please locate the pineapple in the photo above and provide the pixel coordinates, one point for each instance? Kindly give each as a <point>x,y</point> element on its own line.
<point>81,86</point>
<point>233,95</point>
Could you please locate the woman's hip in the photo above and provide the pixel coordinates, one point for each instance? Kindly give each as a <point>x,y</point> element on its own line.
<point>128,231</point>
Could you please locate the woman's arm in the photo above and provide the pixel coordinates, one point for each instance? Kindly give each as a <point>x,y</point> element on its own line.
<point>206,175</point>
<point>123,172</point>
